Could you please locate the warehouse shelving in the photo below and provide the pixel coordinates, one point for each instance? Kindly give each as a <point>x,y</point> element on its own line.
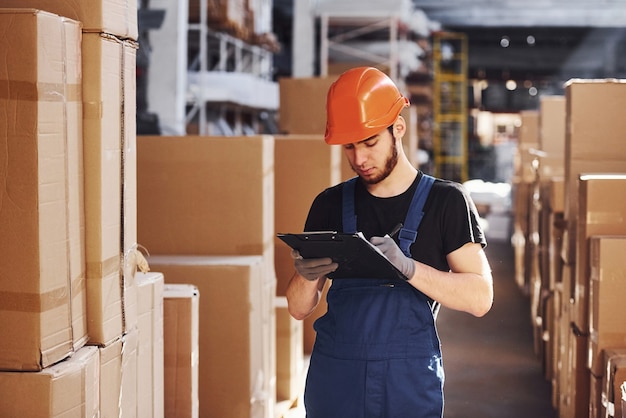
<point>230,89</point>
<point>450,105</point>
<point>354,27</point>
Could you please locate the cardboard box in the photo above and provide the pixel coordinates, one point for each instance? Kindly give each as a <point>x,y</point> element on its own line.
<point>303,104</point>
<point>607,293</point>
<point>552,135</point>
<point>118,377</point>
<point>129,185</point>
<point>528,144</point>
<point>237,340</point>
<point>181,350</point>
<point>110,214</point>
<point>594,141</point>
<point>117,17</point>
<point>41,273</point>
<point>304,166</point>
<point>564,378</point>
<point>595,397</point>
<point>600,213</point>
<point>580,376</point>
<point>289,353</point>
<point>68,388</point>
<point>206,195</point>
<point>150,365</point>
<point>612,379</point>
<point>76,178</point>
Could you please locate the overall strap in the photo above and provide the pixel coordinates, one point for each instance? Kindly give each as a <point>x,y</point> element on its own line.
<point>408,233</point>
<point>348,212</point>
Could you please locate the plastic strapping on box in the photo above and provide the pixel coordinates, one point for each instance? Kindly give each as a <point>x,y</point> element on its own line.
<point>34,302</point>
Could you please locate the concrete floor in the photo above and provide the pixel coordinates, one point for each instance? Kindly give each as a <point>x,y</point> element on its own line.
<point>491,368</point>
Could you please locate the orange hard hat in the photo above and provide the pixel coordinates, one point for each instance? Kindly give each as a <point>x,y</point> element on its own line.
<point>360,103</point>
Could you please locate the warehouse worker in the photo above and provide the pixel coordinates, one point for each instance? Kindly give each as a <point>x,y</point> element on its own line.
<point>377,352</point>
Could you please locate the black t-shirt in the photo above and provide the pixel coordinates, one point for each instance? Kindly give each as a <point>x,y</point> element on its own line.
<point>450,218</point>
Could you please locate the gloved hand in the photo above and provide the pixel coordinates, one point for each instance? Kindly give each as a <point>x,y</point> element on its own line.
<point>313,268</point>
<point>391,250</point>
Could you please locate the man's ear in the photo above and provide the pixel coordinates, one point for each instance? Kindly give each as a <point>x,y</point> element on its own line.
<point>399,127</point>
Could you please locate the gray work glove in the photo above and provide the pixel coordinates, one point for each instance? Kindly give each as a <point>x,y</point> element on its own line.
<point>391,250</point>
<point>313,268</point>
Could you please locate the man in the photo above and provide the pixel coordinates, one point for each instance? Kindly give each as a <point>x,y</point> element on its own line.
<point>377,353</point>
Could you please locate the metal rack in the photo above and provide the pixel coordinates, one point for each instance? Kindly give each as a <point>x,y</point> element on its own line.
<point>230,89</point>
<point>450,106</point>
<point>355,27</point>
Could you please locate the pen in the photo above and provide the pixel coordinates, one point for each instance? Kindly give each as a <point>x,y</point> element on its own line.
<point>395,230</point>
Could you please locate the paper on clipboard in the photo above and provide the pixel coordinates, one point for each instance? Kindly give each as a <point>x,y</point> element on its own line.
<point>355,255</point>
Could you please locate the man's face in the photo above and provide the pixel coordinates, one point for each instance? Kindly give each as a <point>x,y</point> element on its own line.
<point>374,158</point>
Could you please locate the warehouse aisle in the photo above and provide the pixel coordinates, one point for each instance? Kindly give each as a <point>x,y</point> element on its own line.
<point>491,368</point>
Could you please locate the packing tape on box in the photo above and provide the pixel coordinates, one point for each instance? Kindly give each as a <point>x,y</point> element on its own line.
<point>33,302</point>
<point>45,92</point>
<point>104,268</point>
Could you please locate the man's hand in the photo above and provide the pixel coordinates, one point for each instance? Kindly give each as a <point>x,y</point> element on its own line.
<point>313,268</point>
<point>391,250</point>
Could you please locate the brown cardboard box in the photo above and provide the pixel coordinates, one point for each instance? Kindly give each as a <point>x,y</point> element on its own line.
<point>529,129</point>
<point>612,379</point>
<point>564,378</point>
<point>128,394</point>
<point>303,104</point>
<point>304,166</point>
<point>41,277</point>
<point>118,377</point>
<point>237,340</point>
<point>600,213</point>
<point>580,376</point>
<point>555,342</point>
<point>117,17</point>
<point>76,178</point>
<point>595,396</point>
<point>594,141</point>
<point>552,135</point>
<point>206,195</point>
<point>102,126</point>
<point>109,153</point>
<point>528,144</point>
<point>289,353</point>
<point>129,185</point>
<point>150,365</point>
<point>607,293</point>
<point>66,389</point>
<point>181,350</point>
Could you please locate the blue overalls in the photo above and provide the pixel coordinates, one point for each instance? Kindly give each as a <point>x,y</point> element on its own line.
<point>377,353</point>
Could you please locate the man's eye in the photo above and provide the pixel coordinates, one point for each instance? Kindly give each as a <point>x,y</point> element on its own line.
<point>370,144</point>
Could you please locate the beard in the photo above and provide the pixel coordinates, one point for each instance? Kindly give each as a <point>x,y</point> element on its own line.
<point>390,164</point>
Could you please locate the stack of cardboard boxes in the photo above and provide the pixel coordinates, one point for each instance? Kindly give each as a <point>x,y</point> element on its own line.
<point>206,216</point>
<point>579,229</point>
<point>74,320</point>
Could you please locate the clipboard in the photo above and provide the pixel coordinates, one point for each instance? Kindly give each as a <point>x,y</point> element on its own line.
<point>356,256</point>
